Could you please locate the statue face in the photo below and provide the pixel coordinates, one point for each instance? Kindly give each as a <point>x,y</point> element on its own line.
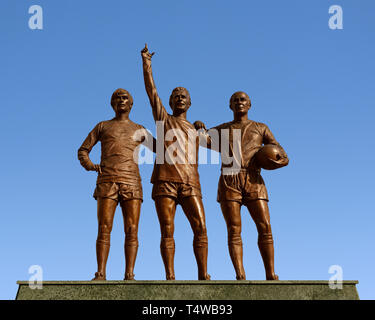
<point>240,102</point>
<point>122,103</point>
<point>180,101</point>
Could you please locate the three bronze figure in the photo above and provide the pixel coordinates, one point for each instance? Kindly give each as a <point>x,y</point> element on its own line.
<point>248,145</point>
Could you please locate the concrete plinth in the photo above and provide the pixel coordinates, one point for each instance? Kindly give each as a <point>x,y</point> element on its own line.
<point>187,290</point>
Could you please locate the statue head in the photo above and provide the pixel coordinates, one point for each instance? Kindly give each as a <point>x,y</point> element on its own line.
<point>180,100</point>
<point>121,101</point>
<point>240,102</point>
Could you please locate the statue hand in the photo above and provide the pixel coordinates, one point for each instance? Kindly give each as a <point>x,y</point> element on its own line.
<point>282,159</point>
<point>282,162</point>
<point>96,167</point>
<point>283,154</point>
<point>146,54</point>
<point>199,125</point>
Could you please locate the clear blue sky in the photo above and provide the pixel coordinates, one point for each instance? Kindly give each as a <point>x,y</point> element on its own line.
<point>313,86</point>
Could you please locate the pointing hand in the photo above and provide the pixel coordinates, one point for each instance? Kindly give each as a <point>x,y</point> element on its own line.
<point>146,54</point>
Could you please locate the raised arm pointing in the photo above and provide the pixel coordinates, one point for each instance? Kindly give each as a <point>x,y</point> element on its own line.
<point>155,101</point>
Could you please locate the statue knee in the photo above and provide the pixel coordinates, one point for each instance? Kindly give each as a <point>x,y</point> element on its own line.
<point>167,243</point>
<point>200,241</point>
<point>264,227</point>
<point>234,235</point>
<point>200,235</point>
<point>104,229</point>
<point>235,240</point>
<point>131,230</point>
<point>265,238</point>
<point>167,230</point>
<point>199,228</point>
<point>234,230</point>
<point>104,234</point>
<point>131,236</point>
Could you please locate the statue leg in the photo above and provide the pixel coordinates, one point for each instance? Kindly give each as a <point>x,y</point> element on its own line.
<point>106,212</point>
<point>166,209</point>
<point>131,210</point>
<point>194,211</point>
<point>260,213</point>
<point>232,215</point>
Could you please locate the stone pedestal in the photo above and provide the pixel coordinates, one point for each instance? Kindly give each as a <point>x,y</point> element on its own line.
<point>187,290</point>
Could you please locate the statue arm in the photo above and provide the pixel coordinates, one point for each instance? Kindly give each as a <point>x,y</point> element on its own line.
<point>268,138</point>
<point>158,109</point>
<point>209,139</point>
<point>152,146</point>
<point>85,149</point>
<point>148,140</point>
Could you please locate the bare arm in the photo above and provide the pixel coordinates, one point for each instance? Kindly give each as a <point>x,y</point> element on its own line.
<point>157,107</point>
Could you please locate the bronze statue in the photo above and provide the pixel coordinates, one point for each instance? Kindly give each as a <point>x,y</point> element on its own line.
<point>175,182</point>
<point>118,179</point>
<point>245,185</point>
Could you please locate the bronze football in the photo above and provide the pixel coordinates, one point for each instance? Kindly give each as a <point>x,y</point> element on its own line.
<point>271,157</point>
